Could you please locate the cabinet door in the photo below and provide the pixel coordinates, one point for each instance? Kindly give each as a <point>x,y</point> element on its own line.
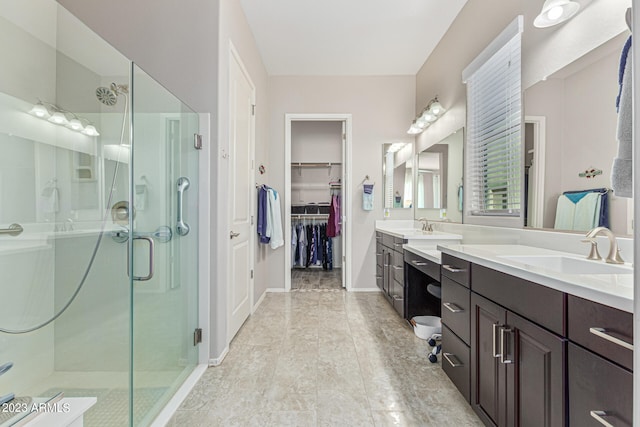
<point>488,375</point>
<point>535,377</point>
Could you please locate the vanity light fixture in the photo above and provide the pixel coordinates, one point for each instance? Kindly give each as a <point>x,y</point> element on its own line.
<point>54,114</point>
<point>430,114</point>
<point>396,146</point>
<point>556,12</point>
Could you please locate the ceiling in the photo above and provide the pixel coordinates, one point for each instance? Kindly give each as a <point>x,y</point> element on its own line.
<point>353,37</point>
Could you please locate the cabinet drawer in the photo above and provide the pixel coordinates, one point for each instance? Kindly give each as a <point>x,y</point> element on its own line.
<point>456,300</point>
<point>379,254</point>
<point>595,384</point>
<point>388,240</point>
<point>542,305</point>
<point>397,267</point>
<point>397,244</point>
<point>456,269</point>
<point>426,266</point>
<point>379,272</point>
<point>455,361</point>
<point>601,329</point>
<point>378,237</point>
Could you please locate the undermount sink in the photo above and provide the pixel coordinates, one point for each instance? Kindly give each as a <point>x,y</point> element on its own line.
<point>569,265</point>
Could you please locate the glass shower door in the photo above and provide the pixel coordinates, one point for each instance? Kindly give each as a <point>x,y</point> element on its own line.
<point>164,247</point>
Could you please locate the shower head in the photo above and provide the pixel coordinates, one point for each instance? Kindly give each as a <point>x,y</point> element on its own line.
<point>109,95</point>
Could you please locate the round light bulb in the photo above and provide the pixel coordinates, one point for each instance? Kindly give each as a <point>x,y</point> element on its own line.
<point>90,130</point>
<point>436,108</point>
<point>58,118</point>
<point>75,124</point>
<point>39,110</point>
<point>555,13</point>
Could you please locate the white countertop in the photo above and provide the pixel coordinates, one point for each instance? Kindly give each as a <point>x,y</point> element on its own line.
<point>410,233</point>
<point>425,252</point>
<point>615,290</point>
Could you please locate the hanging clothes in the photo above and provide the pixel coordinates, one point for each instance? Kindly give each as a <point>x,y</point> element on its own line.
<point>294,244</point>
<point>333,223</point>
<point>262,215</point>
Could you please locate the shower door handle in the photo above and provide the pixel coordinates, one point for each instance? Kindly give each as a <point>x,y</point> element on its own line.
<point>151,260</point>
<point>182,228</point>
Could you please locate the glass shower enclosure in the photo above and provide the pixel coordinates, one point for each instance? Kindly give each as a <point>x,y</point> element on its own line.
<point>98,227</point>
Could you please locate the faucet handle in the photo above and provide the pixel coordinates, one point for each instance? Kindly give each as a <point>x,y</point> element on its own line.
<point>593,253</point>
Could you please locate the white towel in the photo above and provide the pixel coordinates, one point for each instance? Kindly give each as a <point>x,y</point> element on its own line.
<point>50,200</point>
<point>274,220</point>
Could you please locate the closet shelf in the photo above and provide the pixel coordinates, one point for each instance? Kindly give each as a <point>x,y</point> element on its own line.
<point>309,216</point>
<point>314,165</point>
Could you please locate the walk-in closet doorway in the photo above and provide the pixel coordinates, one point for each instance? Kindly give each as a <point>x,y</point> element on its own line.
<point>317,201</point>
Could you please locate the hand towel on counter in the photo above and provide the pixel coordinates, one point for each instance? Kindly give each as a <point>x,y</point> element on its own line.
<point>367,197</point>
<point>274,220</point>
<point>622,169</point>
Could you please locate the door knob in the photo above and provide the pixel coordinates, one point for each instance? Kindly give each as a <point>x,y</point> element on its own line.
<point>232,234</point>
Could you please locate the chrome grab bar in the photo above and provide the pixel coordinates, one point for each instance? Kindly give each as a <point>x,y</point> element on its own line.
<point>182,228</point>
<point>602,333</point>
<point>13,230</point>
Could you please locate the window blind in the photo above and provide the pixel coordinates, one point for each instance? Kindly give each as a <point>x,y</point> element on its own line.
<point>494,121</point>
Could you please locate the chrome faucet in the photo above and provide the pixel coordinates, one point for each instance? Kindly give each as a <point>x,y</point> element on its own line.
<point>614,252</point>
<point>425,224</point>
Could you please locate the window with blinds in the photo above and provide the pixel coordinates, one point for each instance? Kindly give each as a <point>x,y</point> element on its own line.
<point>494,167</point>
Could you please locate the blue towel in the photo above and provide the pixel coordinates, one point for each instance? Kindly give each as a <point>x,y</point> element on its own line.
<point>367,197</point>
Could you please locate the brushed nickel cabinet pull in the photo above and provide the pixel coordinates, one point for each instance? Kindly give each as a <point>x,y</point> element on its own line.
<point>598,415</point>
<point>602,333</point>
<point>452,307</point>
<point>453,269</point>
<point>455,363</point>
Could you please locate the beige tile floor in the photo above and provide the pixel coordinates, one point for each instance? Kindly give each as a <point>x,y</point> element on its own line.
<point>315,278</point>
<point>325,358</point>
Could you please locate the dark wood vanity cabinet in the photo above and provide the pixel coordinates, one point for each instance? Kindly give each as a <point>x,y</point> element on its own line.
<point>537,356</point>
<point>517,368</point>
<point>390,269</point>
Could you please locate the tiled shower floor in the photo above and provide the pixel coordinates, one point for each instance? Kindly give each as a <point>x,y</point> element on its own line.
<point>325,359</point>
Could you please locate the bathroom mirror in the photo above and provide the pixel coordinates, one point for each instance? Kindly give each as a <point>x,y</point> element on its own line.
<point>397,170</point>
<point>438,189</point>
<point>570,136</point>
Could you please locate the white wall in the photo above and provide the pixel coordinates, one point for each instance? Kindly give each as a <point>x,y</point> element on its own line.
<point>382,109</point>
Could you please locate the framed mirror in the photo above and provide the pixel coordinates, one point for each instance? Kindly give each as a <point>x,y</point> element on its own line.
<point>397,170</point>
<point>570,140</point>
<point>438,189</point>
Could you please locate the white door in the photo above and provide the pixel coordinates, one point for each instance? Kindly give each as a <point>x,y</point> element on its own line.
<point>241,194</point>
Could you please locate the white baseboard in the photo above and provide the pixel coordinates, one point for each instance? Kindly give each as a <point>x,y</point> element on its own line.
<point>364,290</point>
<point>218,360</point>
<point>170,408</point>
<point>275,290</point>
<point>256,305</point>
